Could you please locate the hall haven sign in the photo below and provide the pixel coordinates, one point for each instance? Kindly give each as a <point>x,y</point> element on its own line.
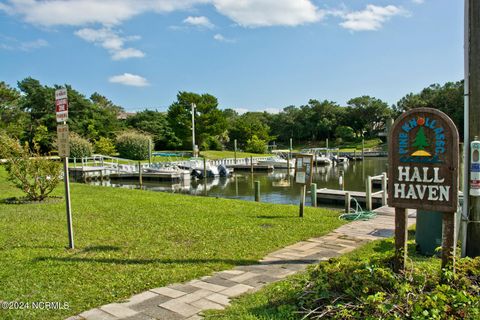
<point>423,161</point>
<point>423,174</point>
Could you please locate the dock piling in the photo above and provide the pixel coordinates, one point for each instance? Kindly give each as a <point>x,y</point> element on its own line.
<point>302,200</point>
<point>347,202</point>
<point>257,191</point>
<point>140,178</point>
<point>313,194</point>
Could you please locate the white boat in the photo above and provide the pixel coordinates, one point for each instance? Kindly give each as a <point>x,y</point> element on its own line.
<point>277,163</point>
<point>195,165</point>
<point>321,156</point>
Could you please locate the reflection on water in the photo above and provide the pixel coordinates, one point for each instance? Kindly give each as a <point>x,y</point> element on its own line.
<point>275,187</point>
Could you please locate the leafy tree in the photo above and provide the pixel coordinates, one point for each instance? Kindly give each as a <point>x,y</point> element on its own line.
<point>209,120</point>
<point>105,146</point>
<point>38,101</point>
<point>447,98</point>
<point>368,114</point>
<point>248,125</point>
<point>156,124</point>
<point>256,145</point>
<point>12,118</point>
<point>345,133</point>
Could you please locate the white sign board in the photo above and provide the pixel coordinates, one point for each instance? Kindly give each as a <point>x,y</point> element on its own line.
<point>63,141</point>
<point>61,104</point>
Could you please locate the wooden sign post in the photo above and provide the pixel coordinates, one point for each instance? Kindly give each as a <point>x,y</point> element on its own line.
<point>423,174</point>
<point>303,176</point>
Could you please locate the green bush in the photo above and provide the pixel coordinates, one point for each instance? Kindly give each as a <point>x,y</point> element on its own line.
<point>368,289</point>
<point>345,133</point>
<point>212,143</point>
<point>105,146</point>
<point>79,147</point>
<point>133,145</point>
<point>36,176</point>
<point>256,145</point>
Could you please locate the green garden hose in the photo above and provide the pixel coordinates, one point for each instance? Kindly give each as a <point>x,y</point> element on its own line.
<point>358,213</point>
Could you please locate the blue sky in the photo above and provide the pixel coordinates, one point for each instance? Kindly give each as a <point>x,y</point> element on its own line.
<point>250,54</point>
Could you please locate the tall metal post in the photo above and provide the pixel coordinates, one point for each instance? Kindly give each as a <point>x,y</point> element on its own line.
<point>71,244</point>
<point>193,129</point>
<point>472,120</point>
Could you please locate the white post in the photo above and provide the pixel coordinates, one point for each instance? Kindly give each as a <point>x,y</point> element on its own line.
<point>368,194</point>
<point>193,128</point>
<point>384,189</point>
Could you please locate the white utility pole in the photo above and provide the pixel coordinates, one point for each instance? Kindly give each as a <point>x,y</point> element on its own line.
<point>193,129</point>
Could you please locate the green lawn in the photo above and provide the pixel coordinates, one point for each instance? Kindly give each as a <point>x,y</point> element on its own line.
<point>128,241</point>
<point>214,155</point>
<point>371,143</point>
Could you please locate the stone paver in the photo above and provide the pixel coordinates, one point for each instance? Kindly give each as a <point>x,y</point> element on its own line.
<point>187,301</point>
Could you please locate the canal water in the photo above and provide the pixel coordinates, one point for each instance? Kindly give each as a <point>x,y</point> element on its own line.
<point>275,187</point>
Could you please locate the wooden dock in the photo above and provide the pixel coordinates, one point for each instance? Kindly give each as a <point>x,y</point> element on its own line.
<point>325,195</point>
<point>248,167</point>
<point>90,173</point>
<point>390,211</point>
<point>84,174</point>
<point>150,176</point>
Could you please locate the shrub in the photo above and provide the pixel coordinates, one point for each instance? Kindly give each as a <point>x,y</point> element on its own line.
<point>79,147</point>
<point>345,133</point>
<point>133,145</point>
<point>369,289</point>
<point>36,176</point>
<point>105,146</point>
<point>212,143</point>
<point>256,145</point>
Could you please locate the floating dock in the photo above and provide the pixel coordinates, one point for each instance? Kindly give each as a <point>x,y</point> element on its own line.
<point>248,167</point>
<point>338,197</point>
<point>151,176</point>
<point>90,173</point>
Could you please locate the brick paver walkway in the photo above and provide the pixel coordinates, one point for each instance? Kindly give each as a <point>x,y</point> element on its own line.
<point>188,300</point>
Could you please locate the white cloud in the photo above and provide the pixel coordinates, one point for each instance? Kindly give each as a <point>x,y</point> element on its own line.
<point>129,79</point>
<point>199,22</point>
<point>9,43</point>
<point>112,41</point>
<point>221,38</point>
<point>82,12</point>
<point>31,45</point>
<point>369,19</point>
<point>263,13</point>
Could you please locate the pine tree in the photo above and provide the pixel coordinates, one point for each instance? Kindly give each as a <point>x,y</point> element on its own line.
<point>420,140</point>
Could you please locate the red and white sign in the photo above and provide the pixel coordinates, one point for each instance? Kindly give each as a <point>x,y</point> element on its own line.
<point>61,105</point>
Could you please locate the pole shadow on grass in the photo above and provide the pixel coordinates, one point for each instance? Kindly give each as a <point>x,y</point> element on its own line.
<point>101,248</point>
<point>144,261</point>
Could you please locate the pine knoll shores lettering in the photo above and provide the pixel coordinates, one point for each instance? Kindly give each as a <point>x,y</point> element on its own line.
<point>422,183</point>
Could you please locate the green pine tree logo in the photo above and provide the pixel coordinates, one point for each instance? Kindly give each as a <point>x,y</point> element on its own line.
<point>420,142</point>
